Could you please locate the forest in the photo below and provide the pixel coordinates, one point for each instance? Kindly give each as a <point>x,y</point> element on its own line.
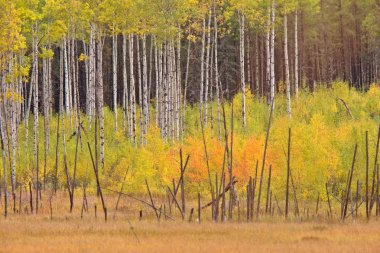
<point>228,102</point>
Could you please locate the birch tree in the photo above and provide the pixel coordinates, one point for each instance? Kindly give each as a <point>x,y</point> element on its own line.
<point>286,58</point>
<point>242,67</point>
<point>207,66</point>
<point>114,77</point>
<point>272,45</point>
<point>132,92</point>
<point>296,79</point>
<point>145,104</point>
<point>99,94</point>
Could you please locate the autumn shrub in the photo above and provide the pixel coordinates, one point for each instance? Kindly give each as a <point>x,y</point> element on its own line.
<point>325,126</point>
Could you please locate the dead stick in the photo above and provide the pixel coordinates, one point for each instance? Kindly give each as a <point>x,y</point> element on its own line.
<point>191,214</point>
<point>288,175</point>
<point>316,209</point>
<point>121,190</point>
<point>349,184</point>
<point>296,211</point>
<point>98,182</point>
<point>199,207</point>
<point>328,199</point>
<point>366,176</point>
<point>268,188</point>
<point>208,166</point>
<point>346,106</point>
<point>176,202</point>
<point>30,197</point>
<point>151,200</point>
<point>373,197</point>
<point>264,158</point>
<point>221,194</point>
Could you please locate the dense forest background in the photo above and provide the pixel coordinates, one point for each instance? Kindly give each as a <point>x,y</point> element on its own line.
<point>150,75</point>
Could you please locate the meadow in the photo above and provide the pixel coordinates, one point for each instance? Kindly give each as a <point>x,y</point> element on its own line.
<point>124,232</point>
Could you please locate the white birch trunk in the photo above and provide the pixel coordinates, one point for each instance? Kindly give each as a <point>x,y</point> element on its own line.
<point>272,74</point>
<point>218,91</point>
<point>132,92</point>
<point>125,87</point>
<point>100,95</point>
<point>242,67</point>
<point>145,89</point>
<point>179,85</point>
<point>202,71</point>
<point>114,78</point>
<point>66,73</point>
<point>12,113</point>
<point>286,57</point>
<point>207,67</point>
<point>185,88</point>
<point>296,78</point>
<point>140,90</point>
<point>35,110</point>
<point>156,81</point>
<point>268,59</point>
<point>73,97</point>
<point>165,95</point>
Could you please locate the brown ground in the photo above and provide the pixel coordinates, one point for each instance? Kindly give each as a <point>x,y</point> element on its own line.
<point>33,234</point>
<point>68,233</point>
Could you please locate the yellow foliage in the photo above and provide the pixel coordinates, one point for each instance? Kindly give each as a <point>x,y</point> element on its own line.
<point>323,137</point>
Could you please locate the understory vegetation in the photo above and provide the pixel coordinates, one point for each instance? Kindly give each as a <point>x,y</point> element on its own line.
<point>326,124</point>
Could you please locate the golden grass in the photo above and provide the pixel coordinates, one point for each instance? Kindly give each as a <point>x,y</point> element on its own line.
<point>38,234</point>
<point>69,233</point>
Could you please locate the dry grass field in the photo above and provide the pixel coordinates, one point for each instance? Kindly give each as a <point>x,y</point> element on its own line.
<point>69,233</point>
<point>31,234</point>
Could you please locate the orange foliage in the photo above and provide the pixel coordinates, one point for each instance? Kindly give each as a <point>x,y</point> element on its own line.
<point>245,154</point>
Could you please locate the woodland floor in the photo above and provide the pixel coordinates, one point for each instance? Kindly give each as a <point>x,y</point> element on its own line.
<point>69,233</point>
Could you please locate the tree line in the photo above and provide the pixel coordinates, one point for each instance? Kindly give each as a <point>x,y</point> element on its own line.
<point>152,58</point>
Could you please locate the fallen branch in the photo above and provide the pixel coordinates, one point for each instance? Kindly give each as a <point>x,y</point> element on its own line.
<point>347,108</point>
<point>137,199</point>
<point>228,187</point>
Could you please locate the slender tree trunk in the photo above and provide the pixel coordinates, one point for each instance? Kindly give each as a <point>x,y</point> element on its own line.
<point>185,88</point>
<point>179,85</point>
<point>91,78</point>
<point>141,128</point>
<point>86,69</point>
<point>342,39</point>
<point>268,59</point>
<point>164,103</point>
<point>207,67</point>
<point>202,71</point>
<point>286,58</point>
<point>114,78</point>
<point>66,73</point>
<point>126,117</point>
<point>145,90</point>
<point>73,93</point>
<point>242,75</point>
<point>257,71</point>
<point>218,91</point>
<point>132,92</point>
<point>45,110</point>
<point>3,156</point>
<point>157,81</point>
<point>296,55</point>
<point>99,95</point>
<point>12,118</point>
<point>35,112</point>
<point>272,73</point>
